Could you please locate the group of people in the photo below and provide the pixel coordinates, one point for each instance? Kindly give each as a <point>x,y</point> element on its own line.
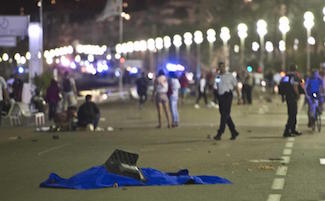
<point>61,98</point>
<point>209,83</point>
<point>64,110</point>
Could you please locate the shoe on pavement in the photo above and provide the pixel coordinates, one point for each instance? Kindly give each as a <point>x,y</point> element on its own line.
<point>196,106</point>
<point>234,136</point>
<point>296,133</point>
<point>285,135</point>
<point>218,138</point>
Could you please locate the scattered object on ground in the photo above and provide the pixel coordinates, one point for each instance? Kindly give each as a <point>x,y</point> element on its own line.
<point>43,129</point>
<point>208,136</point>
<point>102,119</point>
<point>266,167</point>
<point>110,128</point>
<point>15,138</point>
<point>271,160</point>
<point>249,170</point>
<point>99,129</point>
<point>34,140</point>
<point>55,137</point>
<point>125,164</point>
<point>120,170</point>
<point>249,131</point>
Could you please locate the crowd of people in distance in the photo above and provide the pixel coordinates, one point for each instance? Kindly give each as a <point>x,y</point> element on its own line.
<point>61,99</point>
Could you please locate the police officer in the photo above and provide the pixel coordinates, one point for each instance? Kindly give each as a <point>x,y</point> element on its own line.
<point>226,85</point>
<point>291,96</point>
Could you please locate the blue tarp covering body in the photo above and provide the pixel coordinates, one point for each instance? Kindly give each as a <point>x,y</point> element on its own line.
<point>99,177</point>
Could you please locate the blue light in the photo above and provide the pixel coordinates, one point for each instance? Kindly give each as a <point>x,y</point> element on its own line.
<point>21,70</point>
<point>174,67</point>
<point>249,69</point>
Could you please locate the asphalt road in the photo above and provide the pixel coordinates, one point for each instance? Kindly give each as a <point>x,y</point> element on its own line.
<point>262,165</point>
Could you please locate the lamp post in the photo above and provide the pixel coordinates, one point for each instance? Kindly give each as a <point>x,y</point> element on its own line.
<point>242,34</point>
<point>225,36</point>
<point>188,40</point>
<point>262,31</point>
<point>309,24</point>
<point>211,37</point>
<point>177,42</point>
<point>284,27</point>
<point>198,39</point>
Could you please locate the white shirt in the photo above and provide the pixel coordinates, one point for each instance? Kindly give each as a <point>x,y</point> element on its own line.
<point>227,83</point>
<point>175,87</point>
<point>3,86</point>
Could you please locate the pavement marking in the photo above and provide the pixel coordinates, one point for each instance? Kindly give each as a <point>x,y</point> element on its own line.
<point>274,197</point>
<point>322,161</point>
<point>285,159</point>
<point>282,171</point>
<point>278,184</point>
<point>287,152</point>
<point>289,145</point>
<point>291,139</point>
<point>52,149</point>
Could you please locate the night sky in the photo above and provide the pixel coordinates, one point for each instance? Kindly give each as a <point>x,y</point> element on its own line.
<point>30,6</point>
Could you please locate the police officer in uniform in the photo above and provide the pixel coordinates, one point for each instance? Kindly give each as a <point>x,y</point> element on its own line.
<point>226,85</point>
<point>291,96</point>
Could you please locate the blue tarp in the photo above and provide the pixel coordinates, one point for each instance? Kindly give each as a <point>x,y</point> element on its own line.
<point>99,177</point>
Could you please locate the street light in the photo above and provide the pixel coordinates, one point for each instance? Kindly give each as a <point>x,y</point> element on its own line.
<point>284,27</point>
<point>262,31</point>
<point>225,36</point>
<point>242,34</point>
<point>198,39</point>
<point>188,40</point>
<point>177,42</point>
<point>309,24</point>
<point>211,37</point>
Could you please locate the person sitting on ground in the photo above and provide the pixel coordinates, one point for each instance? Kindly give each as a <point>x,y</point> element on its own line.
<point>88,114</point>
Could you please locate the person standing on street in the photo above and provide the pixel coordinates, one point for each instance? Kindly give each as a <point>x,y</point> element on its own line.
<point>53,98</point>
<point>69,91</point>
<point>173,98</point>
<point>291,92</point>
<point>202,89</point>
<point>3,95</point>
<point>226,85</point>
<point>142,87</point>
<point>160,94</point>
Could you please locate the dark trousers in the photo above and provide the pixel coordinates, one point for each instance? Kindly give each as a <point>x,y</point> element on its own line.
<point>204,95</point>
<point>215,96</point>
<point>52,110</point>
<point>292,115</point>
<point>247,94</point>
<point>1,106</point>
<point>142,98</point>
<point>225,102</point>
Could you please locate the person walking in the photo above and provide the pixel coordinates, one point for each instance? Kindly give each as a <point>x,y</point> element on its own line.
<point>142,87</point>
<point>17,88</point>
<point>248,89</point>
<point>3,95</point>
<point>202,88</point>
<point>184,86</point>
<point>291,94</point>
<point>173,98</point>
<point>52,98</point>
<point>226,85</point>
<point>69,91</point>
<point>160,94</point>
